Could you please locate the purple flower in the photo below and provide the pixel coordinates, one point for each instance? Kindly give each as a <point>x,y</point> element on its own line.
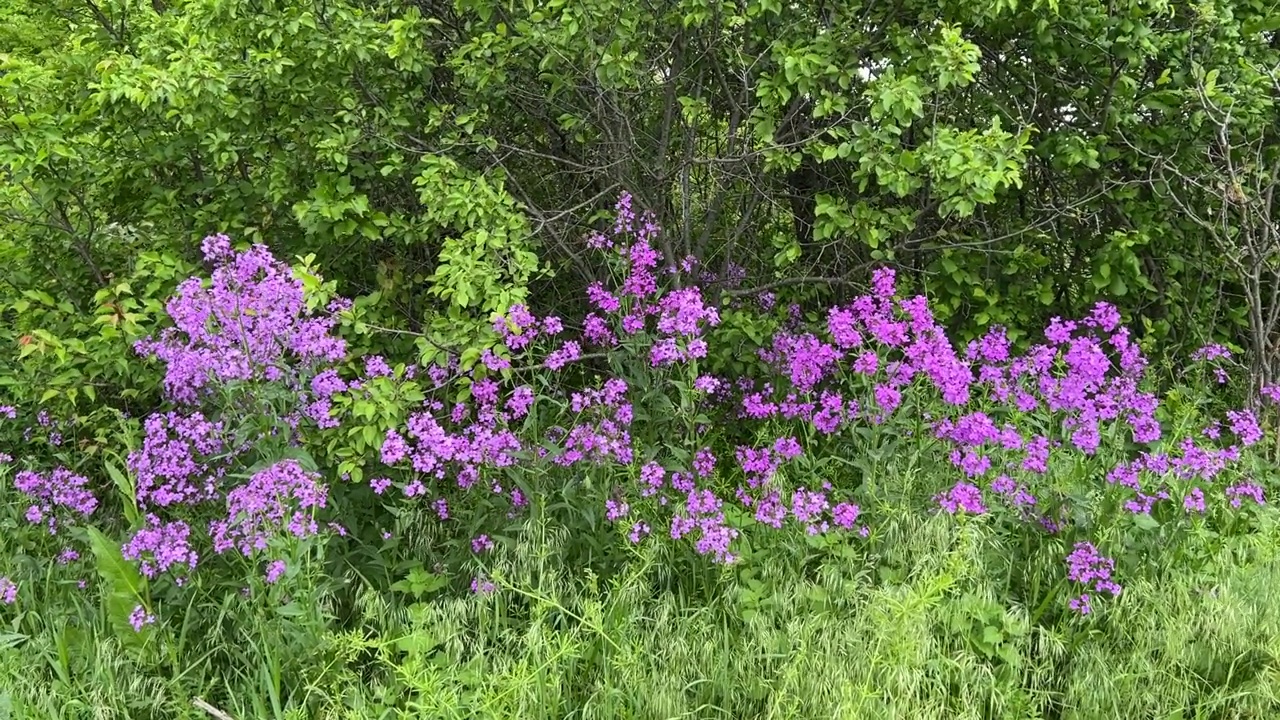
<point>883,283</point>
<point>602,299</point>
<point>1244,424</point>
<point>704,462</point>
<point>567,353</point>
<point>140,617</point>
<point>174,464</point>
<point>1194,501</point>
<point>520,401</point>
<point>327,383</point>
<point>1087,567</point>
<point>614,510</point>
<point>274,570</point>
<point>683,312</point>
<point>1059,331</point>
<point>888,398</point>
<point>376,366</point>
<point>8,591</point>
<point>639,531</point>
<point>846,515</point>
<point>276,500</point>
<point>1212,351</point>
<point>394,448</point>
<point>216,248</point>
<point>867,363</point>
<point>706,384</point>
<point>493,362</point>
<point>1245,490</point>
<point>963,497</point>
<point>481,544</point>
<point>807,507</point>
<point>788,448</point>
<point>249,323</point>
<point>832,412</point>
<point>1081,604</point>
<point>160,546</point>
<point>58,493</point>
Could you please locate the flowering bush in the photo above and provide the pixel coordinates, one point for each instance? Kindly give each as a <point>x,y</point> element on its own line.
<point>1059,438</point>
<point>275,439</point>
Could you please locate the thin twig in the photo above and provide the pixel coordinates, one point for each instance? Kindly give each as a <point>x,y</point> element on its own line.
<point>211,710</point>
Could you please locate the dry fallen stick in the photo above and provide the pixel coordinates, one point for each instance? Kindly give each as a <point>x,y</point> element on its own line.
<point>213,711</point>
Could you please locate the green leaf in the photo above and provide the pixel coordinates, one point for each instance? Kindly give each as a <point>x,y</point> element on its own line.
<point>416,642</point>
<point>1145,521</point>
<point>1118,286</point>
<point>112,567</point>
<point>991,635</point>
<point>126,588</point>
<point>128,494</point>
<point>11,640</point>
<point>290,610</point>
<point>1267,24</point>
<point>302,457</point>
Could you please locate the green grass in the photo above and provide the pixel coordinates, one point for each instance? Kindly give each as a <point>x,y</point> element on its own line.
<point>778,637</point>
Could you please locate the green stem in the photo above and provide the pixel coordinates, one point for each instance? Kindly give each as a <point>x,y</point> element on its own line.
<point>1044,604</point>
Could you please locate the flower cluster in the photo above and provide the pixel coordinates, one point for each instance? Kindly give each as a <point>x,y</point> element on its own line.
<point>275,570</point>
<point>703,516</point>
<point>173,466</point>
<point>279,499</point>
<point>1091,570</point>
<point>159,546</point>
<point>58,495</point>
<point>1211,353</point>
<point>602,433</point>
<point>682,317</point>
<point>250,322</point>
<point>1002,421</point>
<point>760,464</point>
<point>140,618</point>
<point>1250,490</point>
<point>962,498</point>
<point>1006,415</point>
<point>433,450</point>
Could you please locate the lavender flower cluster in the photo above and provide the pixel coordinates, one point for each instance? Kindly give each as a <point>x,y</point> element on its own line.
<point>58,497</point>
<point>1006,416</point>
<point>1008,424</point>
<point>160,546</point>
<point>280,499</point>
<point>249,323</point>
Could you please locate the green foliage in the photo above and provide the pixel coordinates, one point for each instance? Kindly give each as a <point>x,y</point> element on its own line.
<point>427,154</point>
<point>124,586</point>
<point>155,126</point>
<point>924,640</point>
<point>441,162</point>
